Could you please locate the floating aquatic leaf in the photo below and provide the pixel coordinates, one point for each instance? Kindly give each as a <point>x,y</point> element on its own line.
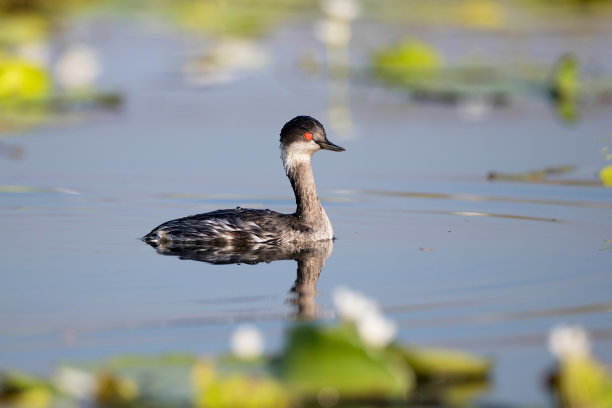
<point>482,14</point>
<point>580,380</point>
<point>410,61</point>
<point>320,357</point>
<point>538,175</point>
<point>565,80</point>
<point>24,391</point>
<point>420,69</point>
<point>231,18</point>
<point>17,114</point>
<point>163,379</point>
<point>436,363</point>
<point>564,88</point>
<point>8,189</point>
<point>449,393</point>
<point>22,80</point>
<point>548,175</point>
<point>232,364</point>
<point>19,28</point>
<point>605,175</point>
<point>236,390</point>
<point>584,382</point>
<point>113,390</point>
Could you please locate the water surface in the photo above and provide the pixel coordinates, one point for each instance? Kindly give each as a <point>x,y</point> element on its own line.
<point>456,260</point>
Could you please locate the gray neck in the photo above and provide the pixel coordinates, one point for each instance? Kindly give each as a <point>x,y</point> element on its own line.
<point>306,197</point>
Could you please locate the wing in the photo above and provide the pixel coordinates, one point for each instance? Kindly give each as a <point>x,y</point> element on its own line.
<point>225,226</point>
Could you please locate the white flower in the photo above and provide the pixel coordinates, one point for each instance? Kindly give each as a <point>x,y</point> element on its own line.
<point>78,67</point>
<point>372,326</point>
<point>569,341</point>
<point>225,62</point>
<point>75,383</point>
<point>341,9</point>
<point>247,342</point>
<point>333,32</point>
<point>352,305</point>
<point>376,330</point>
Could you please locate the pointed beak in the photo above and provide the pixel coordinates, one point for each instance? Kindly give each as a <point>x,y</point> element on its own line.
<point>327,145</point>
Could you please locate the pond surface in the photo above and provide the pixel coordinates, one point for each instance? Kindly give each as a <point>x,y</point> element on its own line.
<point>454,259</point>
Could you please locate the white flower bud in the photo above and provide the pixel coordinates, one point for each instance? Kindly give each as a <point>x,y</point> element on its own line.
<point>569,341</point>
<point>341,9</point>
<point>376,330</point>
<point>247,342</point>
<point>78,67</point>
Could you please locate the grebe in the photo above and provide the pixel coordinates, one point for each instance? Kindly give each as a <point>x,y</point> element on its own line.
<point>300,138</point>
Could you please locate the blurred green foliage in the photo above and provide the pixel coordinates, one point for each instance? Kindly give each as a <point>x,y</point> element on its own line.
<point>420,69</point>
<point>237,389</point>
<point>22,81</point>
<point>29,92</point>
<point>565,87</point>
<point>320,362</point>
<point>24,391</point>
<point>445,364</point>
<point>237,18</point>
<point>324,364</point>
<point>583,382</point>
<point>411,63</point>
<point>489,15</point>
<point>20,28</point>
<point>320,356</point>
<point>605,175</point>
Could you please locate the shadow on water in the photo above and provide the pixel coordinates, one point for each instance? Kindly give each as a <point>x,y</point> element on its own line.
<point>310,258</point>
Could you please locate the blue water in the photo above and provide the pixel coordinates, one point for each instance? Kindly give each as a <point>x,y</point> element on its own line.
<point>454,259</point>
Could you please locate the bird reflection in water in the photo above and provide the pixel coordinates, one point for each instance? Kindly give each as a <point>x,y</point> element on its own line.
<point>310,259</point>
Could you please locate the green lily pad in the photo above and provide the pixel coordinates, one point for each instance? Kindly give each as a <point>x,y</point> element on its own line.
<point>584,382</point>
<point>22,80</point>
<point>237,390</point>
<point>23,390</point>
<point>429,363</point>
<point>449,394</point>
<point>319,357</point>
<point>21,28</point>
<point>410,56</point>
<point>605,175</point>
<point>164,379</point>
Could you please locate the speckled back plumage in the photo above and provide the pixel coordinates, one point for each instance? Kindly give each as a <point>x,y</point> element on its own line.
<point>300,138</point>
<point>235,226</point>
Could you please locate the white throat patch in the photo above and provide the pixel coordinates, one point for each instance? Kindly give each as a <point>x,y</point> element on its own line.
<point>295,155</point>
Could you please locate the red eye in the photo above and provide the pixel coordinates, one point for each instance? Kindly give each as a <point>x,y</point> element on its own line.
<point>308,136</point>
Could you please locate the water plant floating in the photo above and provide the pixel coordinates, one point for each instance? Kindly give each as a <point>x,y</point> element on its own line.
<point>352,359</point>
